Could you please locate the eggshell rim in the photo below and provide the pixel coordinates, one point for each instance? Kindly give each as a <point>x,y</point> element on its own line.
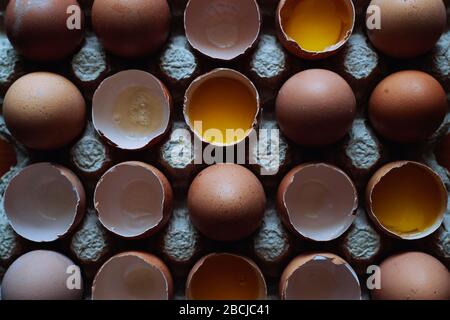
<point>167,97</point>
<point>166,207</point>
<point>77,188</point>
<point>331,257</point>
<point>249,47</point>
<point>201,261</point>
<point>147,258</point>
<point>292,46</point>
<point>285,211</point>
<point>216,73</point>
<point>380,174</point>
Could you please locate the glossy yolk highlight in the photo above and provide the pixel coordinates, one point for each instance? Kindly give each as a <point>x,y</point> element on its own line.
<point>315,24</point>
<point>222,104</point>
<point>407,200</point>
<point>225,278</point>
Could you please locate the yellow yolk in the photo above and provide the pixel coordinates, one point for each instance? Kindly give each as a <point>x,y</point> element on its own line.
<point>138,112</point>
<point>315,24</point>
<point>407,200</point>
<point>221,105</point>
<point>224,278</point>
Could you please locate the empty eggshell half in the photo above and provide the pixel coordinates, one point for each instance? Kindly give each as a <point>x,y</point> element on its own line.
<point>313,29</point>
<point>406,200</point>
<point>225,276</point>
<point>319,276</point>
<point>133,276</point>
<point>133,200</point>
<point>222,29</point>
<point>44,202</point>
<point>317,201</point>
<point>221,102</point>
<point>131,110</point>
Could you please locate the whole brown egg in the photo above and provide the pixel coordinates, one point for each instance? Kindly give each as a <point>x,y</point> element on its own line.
<point>315,108</point>
<point>43,30</point>
<point>407,106</point>
<point>226,202</point>
<point>131,28</point>
<point>413,276</point>
<point>405,28</point>
<point>44,111</point>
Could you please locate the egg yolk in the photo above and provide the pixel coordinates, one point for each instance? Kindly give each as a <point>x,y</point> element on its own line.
<point>222,110</point>
<point>225,278</point>
<point>138,112</point>
<point>316,24</point>
<point>407,200</point>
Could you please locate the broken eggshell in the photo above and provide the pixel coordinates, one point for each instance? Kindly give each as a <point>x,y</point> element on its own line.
<point>317,201</point>
<point>105,106</point>
<point>319,276</point>
<point>393,168</point>
<point>285,9</point>
<point>225,276</point>
<point>133,276</point>
<point>133,200</point>
<point>222,29</point>
<point>214,74</point>
<point>44,202</point>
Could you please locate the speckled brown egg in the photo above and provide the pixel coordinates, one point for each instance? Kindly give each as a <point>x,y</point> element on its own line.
<point>407,106</point>
<point>315,107</point>
<point>44,111</point>
<point>408,28</point>
<point>39,29</point>
<point>413,276</point>
<point>131,28</point>
<point>226,202</point>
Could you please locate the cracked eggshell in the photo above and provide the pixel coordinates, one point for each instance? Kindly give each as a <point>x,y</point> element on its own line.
<point>222,29</point>
<point>105,98</point>
<point>133,200</point>
<point>317,201</point>
<point>133,276</point>
<point>390,168</point>
<point>40,275</point>
<point>220,73</point>
<point>285,7</point>
<point>44,202</point>
<point>218,264</point>
<point>319,276</point>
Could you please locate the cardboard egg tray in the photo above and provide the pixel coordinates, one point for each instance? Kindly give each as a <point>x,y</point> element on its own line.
<point>268,65</point>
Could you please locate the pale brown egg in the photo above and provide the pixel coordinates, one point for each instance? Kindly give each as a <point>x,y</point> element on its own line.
<point>44,111</point>
<point>319,276</point>
<point>405,29</point>
<point>317,201</point>
<point>226,202</point>
<point>406,200</point>
<point>408,106</point>
<point>315,108</point>
<point>43,30</point>
<point>225,276</point>
<point>44,202</point>
<point>222,29</point>
<point>42,275</point>
<point>413,276</point>
<point>133,276</point>
<point>133,200</point>
<point>131,28</point>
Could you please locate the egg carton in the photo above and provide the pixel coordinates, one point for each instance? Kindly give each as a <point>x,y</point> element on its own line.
<point>268,65</point>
